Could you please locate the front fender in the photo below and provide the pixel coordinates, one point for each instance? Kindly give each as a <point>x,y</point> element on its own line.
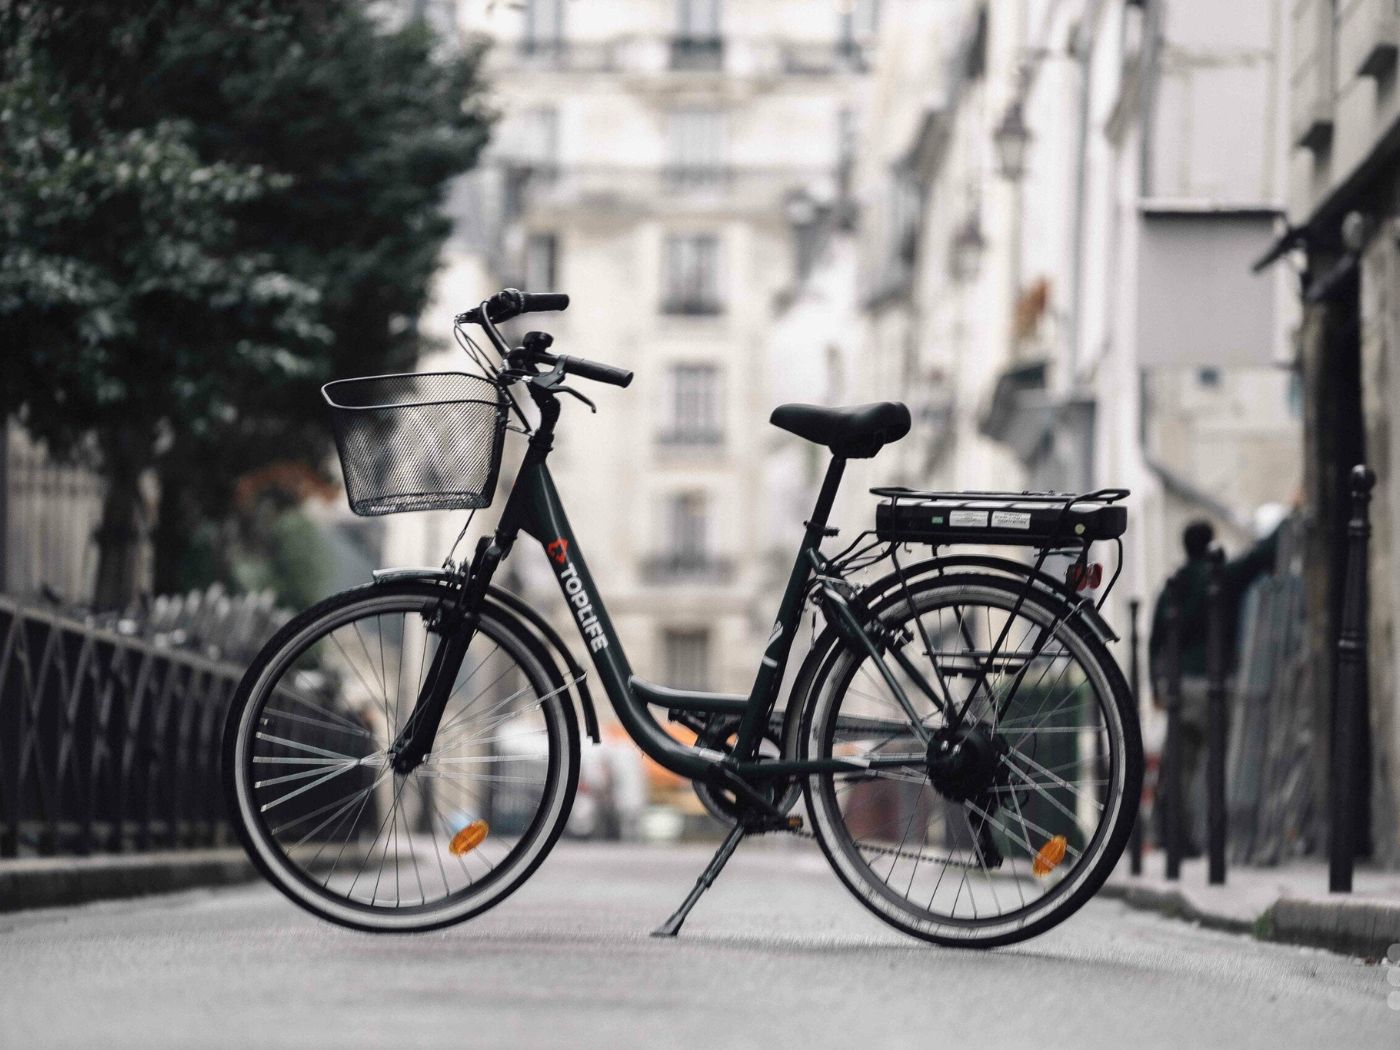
<point>544,640</point>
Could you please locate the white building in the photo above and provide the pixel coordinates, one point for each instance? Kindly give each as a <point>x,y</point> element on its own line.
<point>1058,256</point>
<point>648,161</point>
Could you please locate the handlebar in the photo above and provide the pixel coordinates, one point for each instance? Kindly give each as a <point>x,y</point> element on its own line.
<point>512,302</point>
<point>598,372</point>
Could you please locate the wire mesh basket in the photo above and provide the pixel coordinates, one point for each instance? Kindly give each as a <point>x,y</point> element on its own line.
<point>425,441</point>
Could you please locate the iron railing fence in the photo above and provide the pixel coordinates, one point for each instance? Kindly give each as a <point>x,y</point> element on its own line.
<point>109,729</point>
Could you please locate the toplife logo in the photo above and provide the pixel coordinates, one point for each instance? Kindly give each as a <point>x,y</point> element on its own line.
<point>578,597</point>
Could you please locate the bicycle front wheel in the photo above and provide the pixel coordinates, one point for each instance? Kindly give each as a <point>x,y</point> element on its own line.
<point>325,817</point>
<point>1005,790</point>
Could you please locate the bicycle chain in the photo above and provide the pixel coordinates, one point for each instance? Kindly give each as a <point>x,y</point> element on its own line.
<point>887,851</point>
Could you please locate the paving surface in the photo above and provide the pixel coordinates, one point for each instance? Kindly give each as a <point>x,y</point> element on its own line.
<point>776,955</point>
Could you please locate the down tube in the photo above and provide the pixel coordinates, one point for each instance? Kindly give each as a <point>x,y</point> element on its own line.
<point>545,520</point>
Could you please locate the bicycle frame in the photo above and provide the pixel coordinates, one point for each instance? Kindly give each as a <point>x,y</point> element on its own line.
<point>534,507</point>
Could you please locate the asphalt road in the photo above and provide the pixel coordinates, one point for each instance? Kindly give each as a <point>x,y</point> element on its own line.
<point>775,956</point>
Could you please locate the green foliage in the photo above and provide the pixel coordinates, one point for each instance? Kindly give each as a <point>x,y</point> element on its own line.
<point>293,565</point>
<point>210,207</point>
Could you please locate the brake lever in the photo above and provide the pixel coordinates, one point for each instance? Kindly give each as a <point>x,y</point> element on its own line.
<point>553,381</point>
<point>570,390</point>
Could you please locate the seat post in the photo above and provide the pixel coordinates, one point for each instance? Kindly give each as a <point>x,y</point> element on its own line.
<point>816,525</point>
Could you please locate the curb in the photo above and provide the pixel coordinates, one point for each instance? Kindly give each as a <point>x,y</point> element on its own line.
<point>1356,927</point>
<point>47,882</point>
<point>1366,928</point>
<point>1176,905</point>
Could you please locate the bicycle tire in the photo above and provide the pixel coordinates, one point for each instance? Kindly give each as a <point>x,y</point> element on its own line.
<point>542,700</point>
<point>821,716</point>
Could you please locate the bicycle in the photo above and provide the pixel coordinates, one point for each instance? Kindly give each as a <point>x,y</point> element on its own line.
<point>962,740</point>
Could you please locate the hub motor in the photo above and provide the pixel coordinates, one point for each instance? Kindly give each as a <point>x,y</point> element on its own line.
<point>963,763</point>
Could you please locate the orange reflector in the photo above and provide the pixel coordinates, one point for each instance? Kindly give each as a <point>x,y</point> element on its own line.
<point>1050,855</point>
<point>472,836</point>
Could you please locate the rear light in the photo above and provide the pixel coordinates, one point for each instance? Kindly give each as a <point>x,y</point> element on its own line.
<point>1080,577</point>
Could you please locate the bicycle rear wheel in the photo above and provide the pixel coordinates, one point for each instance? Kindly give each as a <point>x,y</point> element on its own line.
<point>998,825</point>
<point>325,817</point>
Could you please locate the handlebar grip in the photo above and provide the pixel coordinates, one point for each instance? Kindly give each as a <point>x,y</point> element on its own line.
<point>600,373</point>
<point>543,302</point>
<point>511,303</point>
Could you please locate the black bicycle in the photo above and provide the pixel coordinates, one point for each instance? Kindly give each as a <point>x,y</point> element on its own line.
<point>403,755</point>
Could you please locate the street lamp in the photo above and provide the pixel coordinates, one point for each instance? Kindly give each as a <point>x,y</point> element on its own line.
<point>965,258</point>
<point>1012,139</point>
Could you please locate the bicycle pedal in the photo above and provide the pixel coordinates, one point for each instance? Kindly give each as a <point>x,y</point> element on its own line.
<point>794,823</point>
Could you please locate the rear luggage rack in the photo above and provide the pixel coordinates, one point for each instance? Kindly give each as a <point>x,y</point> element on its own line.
<point>1020,519</point>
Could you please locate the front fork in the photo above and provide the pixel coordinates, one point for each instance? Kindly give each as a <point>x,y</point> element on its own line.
<point>455,623</point>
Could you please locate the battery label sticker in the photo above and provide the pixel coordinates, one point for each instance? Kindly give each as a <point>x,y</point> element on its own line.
<point>968,519</point>
<point>1011,519</point>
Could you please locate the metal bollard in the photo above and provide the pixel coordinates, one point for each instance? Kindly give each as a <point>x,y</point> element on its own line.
<point>1349,696</point>
<point>1170,788</point>
<point>1216,601</point>
<point>1135,683</point>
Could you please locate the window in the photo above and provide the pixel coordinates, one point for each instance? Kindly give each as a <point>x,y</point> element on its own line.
<point>693,401</point>
<point>691,277</point>
<point>859,20</point>
<point>687,656</point>
<point>695,147</point>
<point>682,552</point>
<point>541,271</point>
<point>698,19</point>
<point>687,527</point>
<point>697,43</point>
<point>544,25</point>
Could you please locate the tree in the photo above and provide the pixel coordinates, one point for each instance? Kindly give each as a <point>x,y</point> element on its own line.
<point>217,205</point>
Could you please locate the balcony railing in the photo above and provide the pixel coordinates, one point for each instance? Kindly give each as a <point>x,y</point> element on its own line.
<point>687,568</point>
<point>686,178</point>
<point>567,55</point>
<point>653,55</point>
<point>691,306</point>
<point>702,188</point>
<point>697,53</point>
<point>845,56</point>
<point>690,437</point>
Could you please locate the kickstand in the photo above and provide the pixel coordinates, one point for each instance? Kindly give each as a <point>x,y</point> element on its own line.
<point>672,926</point>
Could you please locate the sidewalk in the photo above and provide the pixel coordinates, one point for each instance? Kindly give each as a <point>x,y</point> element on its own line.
<point>47,882</point>
<point>1289,903</point>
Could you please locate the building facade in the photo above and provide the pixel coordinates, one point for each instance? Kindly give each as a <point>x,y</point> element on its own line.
<point>1059,225</point>
<point>651,160</point>
<point>1343,236</point>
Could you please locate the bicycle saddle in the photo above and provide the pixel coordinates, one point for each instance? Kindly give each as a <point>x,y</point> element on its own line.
<point>854,432</point>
